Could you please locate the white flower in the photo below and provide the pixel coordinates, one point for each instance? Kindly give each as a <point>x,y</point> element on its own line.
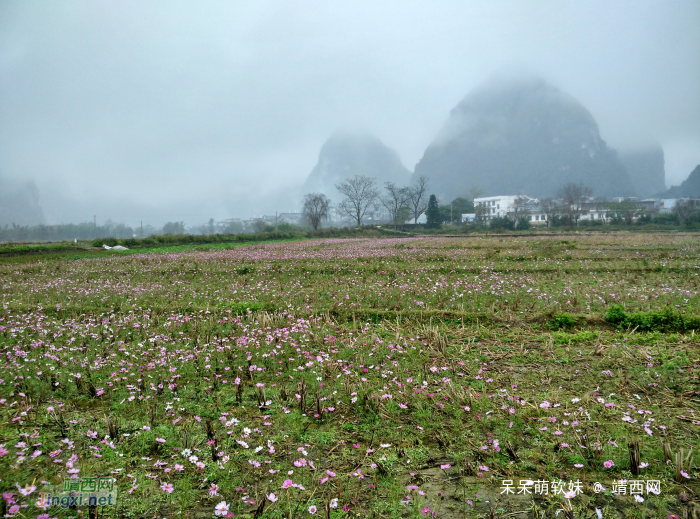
<point>334,503</point>
<point>246,430</point>
<point>186,452</point>
<point>574,400</point>
<point>221,508</point>
<point>385,445</point>
<point>193,459</point>
<point>638,499</point>
<point>258,449</point>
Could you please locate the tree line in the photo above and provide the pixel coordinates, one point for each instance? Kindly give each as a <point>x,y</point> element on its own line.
<point>361,194</point>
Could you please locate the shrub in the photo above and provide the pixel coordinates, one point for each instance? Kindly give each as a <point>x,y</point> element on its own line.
<point>503,223</point>
<point>562,321</point>
<point>665,320</point>
<point>524,223</point>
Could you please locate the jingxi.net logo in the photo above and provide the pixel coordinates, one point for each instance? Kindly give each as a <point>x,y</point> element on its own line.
<point>85,491</point>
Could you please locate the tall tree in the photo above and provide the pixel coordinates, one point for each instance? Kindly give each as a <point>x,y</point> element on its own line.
<point>574,196</point>
<point>394,199</point>
<point>518,209</point>
<point>548,208</point>
<point>417,197</point>
<point>359,191</point>
<point>315,208</point>
<point>433,213</point>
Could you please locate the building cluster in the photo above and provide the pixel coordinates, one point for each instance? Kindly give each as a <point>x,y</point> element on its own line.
<point>539,212</point>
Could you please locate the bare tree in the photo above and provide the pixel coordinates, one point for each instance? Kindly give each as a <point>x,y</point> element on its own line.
<point>574,196</point>
<point>685,209</point>
<point>548,208</point>
<point>417,199</point>
<point>518,209</point>
<point>315,208</point>
<point>395,199</point>
<point>359,192</point>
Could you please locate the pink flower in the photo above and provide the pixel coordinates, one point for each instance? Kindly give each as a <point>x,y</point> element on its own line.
<point>287,483</point>
<point>25,491</point>
<point>312,509</point>
<point>445,466</point>
<point>160,440</point>
<point>167,487</point>
<point>272,498</point>
<point>608,464</point>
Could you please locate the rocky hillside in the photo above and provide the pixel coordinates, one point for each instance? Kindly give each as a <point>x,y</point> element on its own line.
<point>521,137</point>
<point>689,187</point>
<point>346,155</point>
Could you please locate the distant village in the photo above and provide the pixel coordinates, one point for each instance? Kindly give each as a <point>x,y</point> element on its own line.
<point>517,208</point>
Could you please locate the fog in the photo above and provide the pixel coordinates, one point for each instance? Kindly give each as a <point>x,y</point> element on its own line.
<point>165,111</point>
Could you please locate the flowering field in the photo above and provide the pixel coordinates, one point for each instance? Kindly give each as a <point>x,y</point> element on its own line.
<point>440,377</point>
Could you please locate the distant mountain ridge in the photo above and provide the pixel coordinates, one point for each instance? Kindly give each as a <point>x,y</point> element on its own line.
<point>521,137</point>
<point>689,187</point>
<point>345,155</point>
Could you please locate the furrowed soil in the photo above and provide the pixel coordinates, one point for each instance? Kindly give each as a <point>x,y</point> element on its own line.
<point>389,378</point>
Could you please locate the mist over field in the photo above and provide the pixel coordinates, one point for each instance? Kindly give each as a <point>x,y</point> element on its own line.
<point>150,112</point>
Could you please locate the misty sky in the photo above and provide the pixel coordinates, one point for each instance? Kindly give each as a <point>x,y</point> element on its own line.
<point>157,111</point>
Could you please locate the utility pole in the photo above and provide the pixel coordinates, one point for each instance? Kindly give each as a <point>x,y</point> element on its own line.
<point>94,218</point>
